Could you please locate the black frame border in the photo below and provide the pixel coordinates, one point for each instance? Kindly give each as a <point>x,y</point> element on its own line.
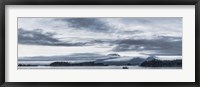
<point>3,3</point>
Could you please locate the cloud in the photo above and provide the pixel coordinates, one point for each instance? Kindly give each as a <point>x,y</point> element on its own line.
<point>162,35</point>
<point>161,45</point>
<point>38,37</point>
<point>130,32</point>
<point>153,24</point>
<point>115,28</point>
<point>89,24</point>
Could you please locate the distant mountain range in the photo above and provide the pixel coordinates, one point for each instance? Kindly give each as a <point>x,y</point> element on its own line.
<point>102,60</point>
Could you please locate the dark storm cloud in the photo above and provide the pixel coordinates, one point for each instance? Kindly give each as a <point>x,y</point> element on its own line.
<point>89,24</point>
<point>162,45</point>
<point>36,37</point>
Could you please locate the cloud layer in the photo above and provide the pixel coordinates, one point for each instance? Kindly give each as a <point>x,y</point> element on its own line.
<point>88,24</point>
<point>160,35</point>
<point>162,45</point>
<point>38,38</point>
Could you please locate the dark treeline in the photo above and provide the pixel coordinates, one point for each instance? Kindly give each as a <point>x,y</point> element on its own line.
<point>26,65</point>
<point>77,64</point>
<point>162,63</point>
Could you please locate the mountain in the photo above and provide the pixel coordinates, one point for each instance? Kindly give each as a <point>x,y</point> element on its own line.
<point>122,61</point>
<point>150,58</point>
<point>91,59</point>
<point>162,63</point>
<point>114,55</point>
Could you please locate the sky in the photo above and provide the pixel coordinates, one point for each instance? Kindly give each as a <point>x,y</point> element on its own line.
<point>127,36</point>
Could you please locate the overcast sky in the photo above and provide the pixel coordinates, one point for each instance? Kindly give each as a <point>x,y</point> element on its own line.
<point>125,36</point>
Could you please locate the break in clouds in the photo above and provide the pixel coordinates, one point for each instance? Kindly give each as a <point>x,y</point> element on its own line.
<point>138,35</point>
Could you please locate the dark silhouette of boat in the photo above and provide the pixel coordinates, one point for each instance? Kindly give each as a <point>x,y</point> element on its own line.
<point>124,67</point>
